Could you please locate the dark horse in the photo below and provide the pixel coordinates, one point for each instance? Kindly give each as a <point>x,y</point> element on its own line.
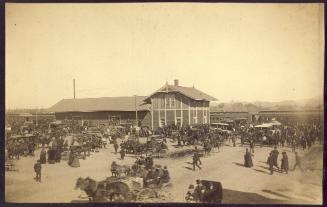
<point>105,191</point>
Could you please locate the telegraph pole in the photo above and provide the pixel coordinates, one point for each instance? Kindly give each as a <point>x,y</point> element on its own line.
<point>136,112</point>
<point>36,116</point>
<point>74,87</point>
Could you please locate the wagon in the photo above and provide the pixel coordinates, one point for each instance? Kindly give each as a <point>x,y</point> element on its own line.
<point>210,192</point>
<point>10,166</point>
<point>115,189</point>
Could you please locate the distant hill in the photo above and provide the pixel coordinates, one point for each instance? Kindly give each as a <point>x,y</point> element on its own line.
<point>315,103</point>
<point>288,105</point>
<point>30,111</point>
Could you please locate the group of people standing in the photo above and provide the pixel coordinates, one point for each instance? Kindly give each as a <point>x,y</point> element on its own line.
<point>272,161</point>
<point>284,167</point>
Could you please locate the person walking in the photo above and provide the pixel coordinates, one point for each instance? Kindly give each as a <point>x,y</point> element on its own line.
<point>198,155</point>
<point>122,153</point>
<point>270,162</point>
<point>275,154</point>
<point>297,162</point>
<point>196,159</point>
<point>284,165</point>
<point>116,146</point>
<point>37,170</point>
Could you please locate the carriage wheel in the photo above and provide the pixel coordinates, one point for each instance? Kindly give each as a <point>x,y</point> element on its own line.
<point>146,193</point>
<point>117,197</point>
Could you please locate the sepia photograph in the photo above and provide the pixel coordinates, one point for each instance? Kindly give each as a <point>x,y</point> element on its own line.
<point>219,103</point>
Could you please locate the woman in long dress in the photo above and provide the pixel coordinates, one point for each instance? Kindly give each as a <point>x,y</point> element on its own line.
<point>284,165</point>
<point>75,162</point>
<point>43,154</point>
<point>248,159</point>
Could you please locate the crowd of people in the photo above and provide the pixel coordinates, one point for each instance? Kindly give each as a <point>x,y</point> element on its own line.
<point>53,143</point>
<point>297,137</point>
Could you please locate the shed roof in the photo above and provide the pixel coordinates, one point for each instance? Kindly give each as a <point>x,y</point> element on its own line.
<point>190,92</point>
<point>126,103</point>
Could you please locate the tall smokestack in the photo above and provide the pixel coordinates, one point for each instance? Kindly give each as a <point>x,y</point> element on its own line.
<point>176,82</point>
<point>74,87</point>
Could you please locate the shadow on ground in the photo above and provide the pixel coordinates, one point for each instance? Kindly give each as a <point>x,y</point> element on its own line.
<point>238,164</point>
<point>189,168</point>
<point>267,168</point>
<point>238,197</point>
<point>235,197</point>
<point>264,172</point>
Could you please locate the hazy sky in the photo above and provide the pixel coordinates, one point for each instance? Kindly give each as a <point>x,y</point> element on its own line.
<point>240,52</point>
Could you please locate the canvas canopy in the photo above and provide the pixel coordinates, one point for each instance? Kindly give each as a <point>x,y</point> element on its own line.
<point>266,125</point>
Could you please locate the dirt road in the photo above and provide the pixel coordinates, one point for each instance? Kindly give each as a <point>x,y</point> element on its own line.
<point>241,185</point>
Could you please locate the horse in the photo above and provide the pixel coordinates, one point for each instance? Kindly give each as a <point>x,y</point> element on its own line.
<point>207,148</point>
<point>105,191</point>
<point>159,148</point>
<point>117,170</point>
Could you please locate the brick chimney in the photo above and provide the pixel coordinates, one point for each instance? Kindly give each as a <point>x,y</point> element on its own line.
<point>176,82</point>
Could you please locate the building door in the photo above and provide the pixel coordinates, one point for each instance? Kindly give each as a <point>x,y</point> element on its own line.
<point>162,122</point>
<point>195,120</point>
<point>205,121</point>
<point>178,122</point>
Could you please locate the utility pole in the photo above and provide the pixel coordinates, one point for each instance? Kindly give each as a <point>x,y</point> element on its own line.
<point>74,87</point>
<point>36,116</point>
<point>136,112</point>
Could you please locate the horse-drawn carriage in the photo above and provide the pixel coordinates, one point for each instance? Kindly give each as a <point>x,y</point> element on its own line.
<point>205,191</point>
<point>156,145</point>
<point>132,187</point>
<point>153,145</point>
<point>21,145</point>
<point>133,146</point>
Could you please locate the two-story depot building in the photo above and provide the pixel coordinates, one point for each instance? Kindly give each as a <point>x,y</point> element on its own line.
<point>174,104</point>
<point>171,104</point>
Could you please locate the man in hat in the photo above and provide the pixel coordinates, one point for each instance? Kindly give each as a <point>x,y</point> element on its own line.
<point>198,191</point>
<point>37,170</point>
<point>43,154</point>
<point>270,162</point>
<point>148,178</point>
<point>198,154</point>
<point>165,177</point>
<point>190,194</point>
<point>284,165</point>
<point>275,154</point>
<point>196,159</point>
<point>149,162</point>
<point>157,174</point>
<point>116,146</point>
<point>297,162</point>
<point>122,153</point>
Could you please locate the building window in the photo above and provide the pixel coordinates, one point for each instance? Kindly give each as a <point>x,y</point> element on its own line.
<point>155,103</point>
<point>172,102</point>
<point>162,122</point>
<point>162,104</point>
<point>178,122</point>
<point>195,120</point>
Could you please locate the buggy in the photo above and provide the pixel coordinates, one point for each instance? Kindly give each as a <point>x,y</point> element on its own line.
<point>209,192</point>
